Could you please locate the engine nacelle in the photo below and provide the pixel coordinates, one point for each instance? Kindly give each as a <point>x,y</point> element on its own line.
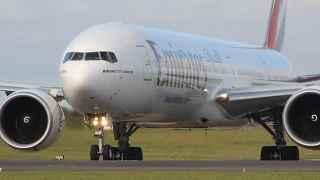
<point>30,120</point>
<point>301,117</point>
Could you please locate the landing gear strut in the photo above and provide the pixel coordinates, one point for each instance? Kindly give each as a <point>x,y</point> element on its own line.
<point>122,134</point>
<point>124,151</point>
<point>280,151</point>
<point>97,150</point>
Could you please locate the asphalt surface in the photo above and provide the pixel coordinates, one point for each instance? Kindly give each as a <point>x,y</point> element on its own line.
<point>170,165</point>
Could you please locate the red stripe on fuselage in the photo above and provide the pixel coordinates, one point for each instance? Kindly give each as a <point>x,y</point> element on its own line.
<point>272,36</point>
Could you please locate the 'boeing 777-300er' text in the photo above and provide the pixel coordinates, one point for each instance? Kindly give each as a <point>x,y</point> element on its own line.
<point>131,76</point>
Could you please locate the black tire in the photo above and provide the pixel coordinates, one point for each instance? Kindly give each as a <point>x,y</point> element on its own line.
<point>133,153</point>
<point>139,155</point>
<point>107,152</point>
<point>94,152</point>
<point>295,153</point>
<point>115,151</point>
<point>290,153</point>
<point>266,153</point>
<point>128,153</point>
<point>286,153</point>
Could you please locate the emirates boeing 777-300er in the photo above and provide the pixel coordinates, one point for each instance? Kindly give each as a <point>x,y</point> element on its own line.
<point>131,77</point>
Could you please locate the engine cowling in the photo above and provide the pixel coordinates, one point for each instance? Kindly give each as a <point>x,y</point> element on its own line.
<point>301,117</point>
<point>30,120</point>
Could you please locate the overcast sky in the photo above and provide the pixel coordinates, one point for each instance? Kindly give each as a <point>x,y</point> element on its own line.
<point>35,33</point>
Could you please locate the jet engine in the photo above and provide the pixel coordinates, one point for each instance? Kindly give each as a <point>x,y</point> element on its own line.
<point>30,120</point>
<point>301,117</point>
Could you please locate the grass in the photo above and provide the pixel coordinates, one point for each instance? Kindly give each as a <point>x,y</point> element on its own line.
<point>154,175</point>
<point>162,144</point>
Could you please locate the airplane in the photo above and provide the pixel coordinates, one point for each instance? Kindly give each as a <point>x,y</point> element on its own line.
<point>131,76</point>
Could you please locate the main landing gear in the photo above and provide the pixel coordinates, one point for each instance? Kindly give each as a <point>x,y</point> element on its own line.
<point>280,151</point>
<point>124,151</point>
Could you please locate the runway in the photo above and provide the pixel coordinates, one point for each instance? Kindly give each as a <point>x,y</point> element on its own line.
<point>165,165</point>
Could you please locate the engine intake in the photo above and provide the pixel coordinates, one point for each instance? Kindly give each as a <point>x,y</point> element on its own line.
<point>301,117</point>
<point>30,120</point>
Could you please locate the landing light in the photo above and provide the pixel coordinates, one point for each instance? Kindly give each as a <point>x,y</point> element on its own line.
<point>95,122</point>
<point>223,98</point>
<point>224,95</point>
<point>104,122</point>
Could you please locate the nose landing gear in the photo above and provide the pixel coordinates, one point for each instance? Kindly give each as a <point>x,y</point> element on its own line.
<point>97,150</point>
<point>122,133</point>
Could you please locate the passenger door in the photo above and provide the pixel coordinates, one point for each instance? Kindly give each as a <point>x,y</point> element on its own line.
<point>147,69</point>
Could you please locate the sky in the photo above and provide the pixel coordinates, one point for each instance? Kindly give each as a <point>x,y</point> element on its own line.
<point>35,33</point>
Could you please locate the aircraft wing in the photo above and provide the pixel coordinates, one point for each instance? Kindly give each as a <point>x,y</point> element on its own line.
<point>241,101</point>
<point>307,78</point>
<point>13,86</point>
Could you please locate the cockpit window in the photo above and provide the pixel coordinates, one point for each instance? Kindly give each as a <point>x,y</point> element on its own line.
<point>77,56</point>
<point>92,56</point>
<point>105,56</point>
<point>113,57</point>
<point>68,57</point>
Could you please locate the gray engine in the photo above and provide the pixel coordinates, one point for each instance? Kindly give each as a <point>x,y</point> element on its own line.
<point>30,120</point>
<point>301,117</point>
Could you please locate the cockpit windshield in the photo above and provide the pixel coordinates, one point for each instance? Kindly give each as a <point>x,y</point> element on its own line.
<point>105,56</point>
<point>68,56</point>
<point>113,57</point>
<point>90,56</point>
<point>77,56</point>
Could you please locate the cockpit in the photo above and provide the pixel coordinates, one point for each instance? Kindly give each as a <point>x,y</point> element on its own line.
<point>90,56</point>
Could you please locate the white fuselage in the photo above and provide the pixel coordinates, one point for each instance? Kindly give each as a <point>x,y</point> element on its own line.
<point>164,78</point>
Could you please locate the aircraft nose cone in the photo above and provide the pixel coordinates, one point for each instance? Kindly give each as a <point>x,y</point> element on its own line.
<point>84,81</point>
<point>80,82</point>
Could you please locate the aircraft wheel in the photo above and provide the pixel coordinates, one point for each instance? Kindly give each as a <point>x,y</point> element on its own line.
<point>128,153</point>
<point>139,155</point>
<point>107,152</point>
<point>94,152</point>
<point>290,153</point>
<point>267,152</point>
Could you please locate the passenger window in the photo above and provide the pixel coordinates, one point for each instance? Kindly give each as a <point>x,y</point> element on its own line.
<point>68,57</point>
<point>105,56</point>
<point>77,56</point>
<point>113,57</point>
<point>92,56</point>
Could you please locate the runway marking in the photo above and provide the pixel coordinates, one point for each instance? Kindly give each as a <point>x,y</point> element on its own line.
<point>165,165</point>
